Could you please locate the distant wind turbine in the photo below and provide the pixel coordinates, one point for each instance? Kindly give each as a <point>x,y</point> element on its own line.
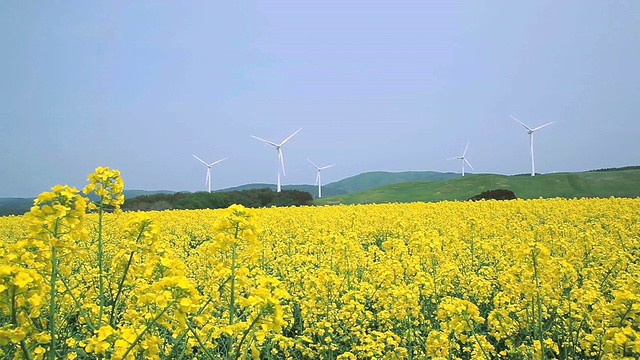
<point>279,150</point>
<point>208,179</point>
<point>463,159</point>
<point>531,131</point>
<point>318,177</point>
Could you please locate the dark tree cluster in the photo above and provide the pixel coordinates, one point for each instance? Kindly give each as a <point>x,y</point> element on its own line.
<point>15,206</point>
<point>498,194</point>
<point>617,169</point>
<point>203,200</point>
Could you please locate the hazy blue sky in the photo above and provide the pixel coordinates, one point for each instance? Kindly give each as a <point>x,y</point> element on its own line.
<point>374,85</point>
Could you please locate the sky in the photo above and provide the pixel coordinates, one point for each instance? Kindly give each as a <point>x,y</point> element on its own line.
<point>375,85</point>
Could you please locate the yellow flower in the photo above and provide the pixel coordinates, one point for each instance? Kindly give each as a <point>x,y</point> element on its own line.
<point>104,332</point>
<point>22,279</point>
<point>16,335</point>
<point>43,337</point>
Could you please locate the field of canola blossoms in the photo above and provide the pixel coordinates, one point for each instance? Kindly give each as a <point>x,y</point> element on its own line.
<point>453,280</point>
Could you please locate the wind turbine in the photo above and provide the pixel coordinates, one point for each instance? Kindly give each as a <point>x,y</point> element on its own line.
<point>279,150</point>
<point>208,179</point>
<point>531,131</point>
<point>318,177</point>
<point>463,159</point>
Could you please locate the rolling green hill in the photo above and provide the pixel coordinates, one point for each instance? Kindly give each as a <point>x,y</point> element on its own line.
<point>374,179</point>
<point>311,189</point>
<point>360,182</point>
<point>624,183</point>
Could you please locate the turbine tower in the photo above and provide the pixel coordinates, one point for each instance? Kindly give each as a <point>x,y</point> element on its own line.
<point>463,159</point>
<point>318,177</point>
<point>207,181</point>
<point>279,150</point>
<point>531,131</point>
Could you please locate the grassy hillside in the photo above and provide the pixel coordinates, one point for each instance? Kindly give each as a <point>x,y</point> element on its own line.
<point>374,179</point>
<point>587,184</point>
<point>360,182</point>
<point>311,189</point>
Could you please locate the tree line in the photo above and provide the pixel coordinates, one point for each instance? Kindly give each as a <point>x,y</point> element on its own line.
<point>203,200</point>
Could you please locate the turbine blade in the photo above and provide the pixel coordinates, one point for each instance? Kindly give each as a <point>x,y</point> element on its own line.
<point>202,161</point>
<point>465,149</point>
<point>523,124</point>
<point>290,136</point>
<point>216,162</point>
<point>281,158</point>
<point>468,163</point>
<point>455,158</point>
<point>317,178</point>
<point>541,126</point>
<point>312,163</point>
<point>208,178</point>
<point>267,141</point>
<point>326,167</point>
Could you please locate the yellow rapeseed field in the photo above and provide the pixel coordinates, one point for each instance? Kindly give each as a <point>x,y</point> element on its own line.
<point>536,279</point>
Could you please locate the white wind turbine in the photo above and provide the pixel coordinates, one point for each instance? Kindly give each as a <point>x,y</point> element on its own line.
<point>318,177</point>
<point>208,179</point>
<point>279,150</point>
<point>531,131</point>
<point>463,159</point>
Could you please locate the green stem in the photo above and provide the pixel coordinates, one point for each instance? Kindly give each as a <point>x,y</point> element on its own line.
<point>473,332</point>
<point>472,255</point>
<point>77,303</point>
<point>14,321</point>
<point>172,353</point>
<point>100,269</point>
<point>52,303</point>
<point>539,305</point>
<point>232,307</point>
<point>244,336</point>
<point>573,339</point>
<point>124,275</point>
<point>204,348</point>
<point>52,294</point>
<point>120,286</point>
<point>629,307</point>
<point>133,344</point>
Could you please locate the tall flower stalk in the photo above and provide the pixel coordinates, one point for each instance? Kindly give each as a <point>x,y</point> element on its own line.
<point>107,184</point>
